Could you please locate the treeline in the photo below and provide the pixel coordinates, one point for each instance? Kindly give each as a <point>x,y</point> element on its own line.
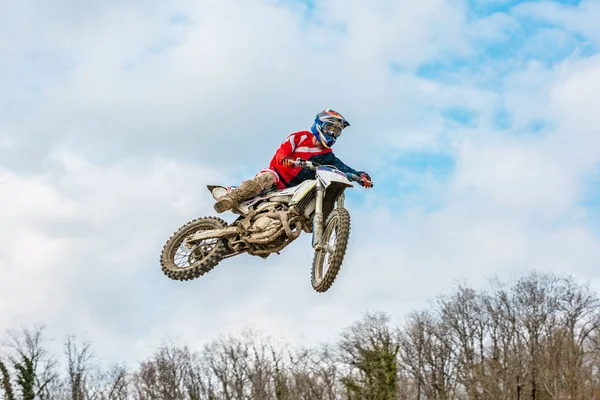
<point>537,338</point>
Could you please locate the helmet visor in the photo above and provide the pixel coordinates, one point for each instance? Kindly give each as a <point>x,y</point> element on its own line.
<point>332,130</point>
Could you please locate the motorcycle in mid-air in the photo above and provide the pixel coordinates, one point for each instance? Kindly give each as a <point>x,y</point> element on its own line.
<point>267,223</point>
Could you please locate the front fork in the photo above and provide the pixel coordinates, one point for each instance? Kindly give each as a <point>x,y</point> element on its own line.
<point>318,227</point>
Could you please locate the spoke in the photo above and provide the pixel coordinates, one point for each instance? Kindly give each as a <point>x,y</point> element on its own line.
<point>185,256</point>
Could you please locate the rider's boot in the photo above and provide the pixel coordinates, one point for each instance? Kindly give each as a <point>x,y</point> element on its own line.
<point>246,190</point>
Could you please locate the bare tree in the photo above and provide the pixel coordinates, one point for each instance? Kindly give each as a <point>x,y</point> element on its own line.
<point>78,368</point>
<point>536,339</point>
<point>246,366</point>
<point>428,355</point>
<point>116,385</point>
<point>166,375</point>
<point>464,318</point>
<point>34,368</point>
<point>567,360</point>
<point>313,374</point>
<point>226,358</point>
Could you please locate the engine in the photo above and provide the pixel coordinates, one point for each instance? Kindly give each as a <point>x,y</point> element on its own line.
<point>267,229</point>
<point>264,228</point>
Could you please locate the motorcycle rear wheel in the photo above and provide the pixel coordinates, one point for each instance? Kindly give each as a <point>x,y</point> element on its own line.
<point>201,258</point>
<point>338,221</point>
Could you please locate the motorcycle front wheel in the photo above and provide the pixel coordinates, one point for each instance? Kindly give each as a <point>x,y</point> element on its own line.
<point>335,240</point>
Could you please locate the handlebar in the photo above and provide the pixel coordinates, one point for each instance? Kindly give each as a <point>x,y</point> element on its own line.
<point>306,164</point>
<point>313,165</point>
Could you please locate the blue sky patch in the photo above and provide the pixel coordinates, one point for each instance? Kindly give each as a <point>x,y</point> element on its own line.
<point>180,19</point>
<point>590,200</point>
<point>591,196</point>
<point>413,179</point>
<point>537,126</point>
<point>483,8</point>
<point>523,40</point>
<point>438,165</point>
<point>501,118</point>
<point>461,115</point>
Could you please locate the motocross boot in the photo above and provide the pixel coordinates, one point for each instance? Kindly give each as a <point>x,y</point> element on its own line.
<point>246,190</point>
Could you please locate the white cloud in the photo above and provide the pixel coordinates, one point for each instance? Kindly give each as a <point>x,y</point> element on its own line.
<point>229,73</point>
<point>112,154</point>
<point>28,255</point>
<point>382,31</point>
<point>571,102</point>
<point>79,245</point>
<point>581,19</point>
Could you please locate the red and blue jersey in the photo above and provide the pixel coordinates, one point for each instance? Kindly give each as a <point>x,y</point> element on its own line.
<point>301,145</point>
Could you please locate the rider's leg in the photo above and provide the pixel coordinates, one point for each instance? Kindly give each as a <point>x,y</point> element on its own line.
<point>261,182</point>
<point>267,180</point>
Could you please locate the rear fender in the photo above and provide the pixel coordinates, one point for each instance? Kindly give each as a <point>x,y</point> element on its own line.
<point>218,191</point>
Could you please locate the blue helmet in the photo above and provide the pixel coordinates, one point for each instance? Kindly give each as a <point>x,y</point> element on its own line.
<point>328,126</point>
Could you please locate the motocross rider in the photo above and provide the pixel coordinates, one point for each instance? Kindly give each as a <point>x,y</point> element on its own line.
<point>314,145</point>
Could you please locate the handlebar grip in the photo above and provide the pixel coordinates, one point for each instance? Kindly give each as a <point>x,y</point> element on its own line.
<point>353,177</point>
<point>356,178</point>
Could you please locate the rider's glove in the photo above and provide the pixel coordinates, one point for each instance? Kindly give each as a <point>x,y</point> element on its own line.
<point>288,162</point>
<point>366,180</point>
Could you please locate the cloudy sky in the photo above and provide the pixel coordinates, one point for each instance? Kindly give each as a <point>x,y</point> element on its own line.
<point>476,119</point>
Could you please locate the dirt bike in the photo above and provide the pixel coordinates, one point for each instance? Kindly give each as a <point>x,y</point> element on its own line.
<point>267,223</point>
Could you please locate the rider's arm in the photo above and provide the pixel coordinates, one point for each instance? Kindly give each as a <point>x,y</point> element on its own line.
<point>331,159</point>
<point>286,149</point>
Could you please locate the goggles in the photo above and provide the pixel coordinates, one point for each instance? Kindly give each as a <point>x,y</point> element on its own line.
<point>333,130</point>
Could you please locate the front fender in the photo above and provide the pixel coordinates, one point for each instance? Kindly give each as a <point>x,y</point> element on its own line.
<point>329,176</point>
